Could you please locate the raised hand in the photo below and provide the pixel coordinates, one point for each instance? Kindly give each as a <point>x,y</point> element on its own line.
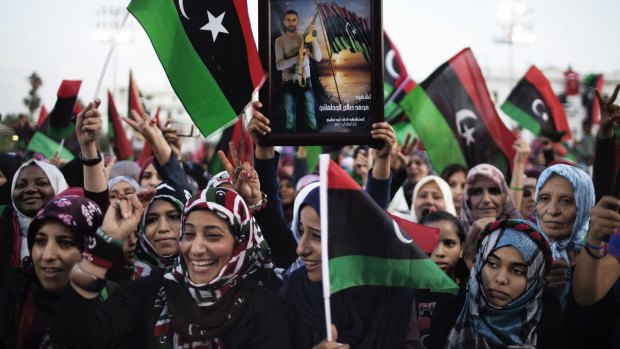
<point>604,220</point>
<point>145,125</point>
<point>244,177</point>
<point>522,151</point>
<point>400,154</point>
<point>384,131</point>
<point>88,124</point>
<point>123,216</point>
<point>172,138</point>
<point>610,114</point>
<point>258,127</point>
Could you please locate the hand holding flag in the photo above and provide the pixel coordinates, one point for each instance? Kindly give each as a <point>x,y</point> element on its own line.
<point>88,124</point>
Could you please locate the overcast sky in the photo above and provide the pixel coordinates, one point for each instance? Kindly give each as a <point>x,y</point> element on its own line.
<point>56,39</point>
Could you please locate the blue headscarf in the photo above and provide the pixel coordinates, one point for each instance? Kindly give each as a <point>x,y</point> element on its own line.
<point>483,325</point>
<point>583,189</point>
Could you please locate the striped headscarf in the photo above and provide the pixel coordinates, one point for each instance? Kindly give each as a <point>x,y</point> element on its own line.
<point>483,325</point>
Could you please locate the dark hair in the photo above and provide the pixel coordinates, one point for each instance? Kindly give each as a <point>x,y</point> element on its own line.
<point>452,169</point>
<point>437,216</point>
<point>290,12</point>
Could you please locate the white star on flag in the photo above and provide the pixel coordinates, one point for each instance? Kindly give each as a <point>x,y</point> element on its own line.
<point>468,134</point>
<point>215,25</point>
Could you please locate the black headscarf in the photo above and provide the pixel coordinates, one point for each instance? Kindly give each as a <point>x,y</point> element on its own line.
<point>8,166</point>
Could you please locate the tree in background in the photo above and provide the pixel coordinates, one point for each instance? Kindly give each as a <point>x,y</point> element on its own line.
<point>33,101</point>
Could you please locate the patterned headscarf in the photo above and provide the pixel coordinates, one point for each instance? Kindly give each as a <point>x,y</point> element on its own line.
<point>446,192</point>
<point>583,189</point>
<point>146,256</point>
<point>250,257</point>
<point>309,195</point>
<point>219,179</point>
<point>509,211</point>
<point>112,182</point>
<point>487,326</point>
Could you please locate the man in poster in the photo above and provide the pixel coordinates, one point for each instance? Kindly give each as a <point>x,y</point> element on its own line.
<point>293,51</point>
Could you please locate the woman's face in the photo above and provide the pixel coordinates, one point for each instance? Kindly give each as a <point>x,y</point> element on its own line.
<point>309,247</point>
<point>429,197</point>
<point>417,169</point>
<point>162,227</point>
<point>150,177</point>
<point>557,208</point>
<point>485,198</point>
<point>528,205</point>
<point>32,190</point>
<point>449,248</point>
<point>54,253</point>
<point>119,188</point>
<point>287,192</point>
<point>457,185</point>
<point>206,246</point>
<point>504,276</point>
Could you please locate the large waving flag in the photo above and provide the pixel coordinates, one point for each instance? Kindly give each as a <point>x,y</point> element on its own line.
<point>116,132</point>
<point>396,82</point>
<point>56,135</point>
<point>534,105</point>
<point>455,118</point>
<point>371,249</point>
<point>345,29</point>
<point>590,83</point>
<point>208,52</point>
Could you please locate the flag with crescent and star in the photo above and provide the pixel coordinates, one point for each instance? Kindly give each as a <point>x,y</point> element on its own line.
<point>396,81</point>
<point>208,52</point>
<point>534,106</point>
<point>454,117</point>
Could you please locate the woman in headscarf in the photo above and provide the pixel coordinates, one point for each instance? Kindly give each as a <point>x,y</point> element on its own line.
<point>505,303</point>
<point>28,297</point>
<point>419,167</point>
<point>431,194</point>
<point>564,198</point>
<point>214,297</point>
<point>34,184</point>
<point>454,175</point>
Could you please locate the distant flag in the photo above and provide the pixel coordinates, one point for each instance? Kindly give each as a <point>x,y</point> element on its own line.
<point>396,80</point>
<point>42,115</point>
<point>533,105</point>
<point>134,99</point>
<point>345,29</point>
<point>371,249</point>
<point>455,118</point>
<point>243,143</point>
<point>147,149</point>
<point>116,132</point>
<point>590,83</point>
<point>57,132</point>
<point>208,52</point>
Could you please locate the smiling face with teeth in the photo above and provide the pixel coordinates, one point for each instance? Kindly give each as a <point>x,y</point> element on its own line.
<point>309,247</point>
<point>54,252</point>
<point>206,245</point>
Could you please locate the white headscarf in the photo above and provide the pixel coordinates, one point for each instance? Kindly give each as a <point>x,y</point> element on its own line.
<point>58,183</point>
<point>446,192</point>
<point>299,199</point>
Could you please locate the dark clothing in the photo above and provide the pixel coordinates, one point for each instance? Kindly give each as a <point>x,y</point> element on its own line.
<point>604,168</point>
<point>590,326</point>
<point>550,330</point>
<point>365,316</point>
<point>172,173</point>
<point>127,319</point>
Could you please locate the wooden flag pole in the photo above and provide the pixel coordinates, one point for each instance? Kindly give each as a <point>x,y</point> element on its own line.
<point>110,51</point>
<point>323,167</point>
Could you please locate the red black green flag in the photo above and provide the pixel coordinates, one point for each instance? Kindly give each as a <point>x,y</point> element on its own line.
<point>590,83</point>
<point>396,81</point>
<point>42,115</point>
<point>243,142</point>
<point>57,131</point>
<point>345,29</point>
<point>371,249</point>
<point>455,118</point>
<point>116,132</point>
<point>534,106</point>
<point>208,52</point>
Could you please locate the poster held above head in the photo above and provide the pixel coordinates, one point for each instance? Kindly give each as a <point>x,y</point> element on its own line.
<point>325,66</point>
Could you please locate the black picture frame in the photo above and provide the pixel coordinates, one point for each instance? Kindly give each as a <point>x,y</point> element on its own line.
<point>346,116</point>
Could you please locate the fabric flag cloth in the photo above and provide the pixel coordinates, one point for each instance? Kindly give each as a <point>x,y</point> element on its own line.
<point>455,118</point>
<point>533,105</point>
<point>56,135</point>
<point>208,52</point>
<point>147,149</point>
<point>370,249</point>
<point>243,142</point>
<point>345,30</point>
<point>396,80</point>
<point>590,83</point>
<point>134,102</point>
<point>116,132</point>
<point>425,237</point>
<point>42,116</point>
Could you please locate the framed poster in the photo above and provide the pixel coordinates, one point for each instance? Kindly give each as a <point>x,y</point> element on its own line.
<point>325,65</point>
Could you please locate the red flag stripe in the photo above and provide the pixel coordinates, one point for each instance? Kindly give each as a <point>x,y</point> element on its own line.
<point>256,69</point>
<point>69,88</point>
<point>123,146</point>
<point>339,179</point>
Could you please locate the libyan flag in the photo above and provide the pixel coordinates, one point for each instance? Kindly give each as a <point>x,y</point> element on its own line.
<point>371,249</point>
<point>396,81</point>
<point>453,115</point>
<point>534,106</point>
<point>56,134</point>
<point>116,133</point>
<point>345,30</point>
<point>208,52</point>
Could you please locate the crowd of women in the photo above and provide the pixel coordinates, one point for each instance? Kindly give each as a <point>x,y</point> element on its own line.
<point>142,256</point>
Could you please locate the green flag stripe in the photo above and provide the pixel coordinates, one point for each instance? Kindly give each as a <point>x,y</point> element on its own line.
<point>521,117</point>
<point>190,79</point>
<point>40,143</point>
<point>433,130</point>
<point>402,129</point>
<point>367,270</point>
